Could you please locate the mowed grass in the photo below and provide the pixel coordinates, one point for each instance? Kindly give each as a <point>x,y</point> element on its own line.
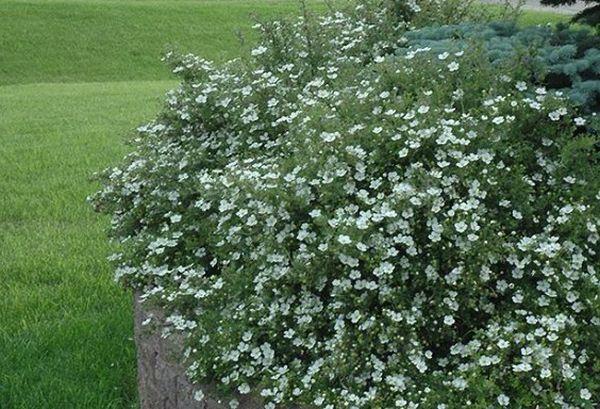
<point>65,327</point>
<point>528,17</point>
<point>121,40</point>
<point>76,77</point>
<point>100,40</point>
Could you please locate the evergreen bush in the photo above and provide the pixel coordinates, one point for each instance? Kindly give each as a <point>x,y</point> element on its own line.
<point>590,15</point>
<point>560,58</point>
<point>332,226</point>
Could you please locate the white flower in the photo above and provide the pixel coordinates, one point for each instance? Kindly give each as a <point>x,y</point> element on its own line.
<point>460,227</point>
<point>259,50</point>
<point>554,115</point>
<point>329,136</point>
<point>244,389</point>
<point>453,66</point>
<point>315,213</point>
<point>449,320</point>
<point>423,109</point>
<point>585,394</point>
<point>521,86</point>
<point>498,120</point>
<point>579,121</point>
<point>443,55</point>
<point>503,344</point>
<point>251,220</point>
<point>503,400</point>
<point>199,395</point>
<point>459,383</point>
<point>343,239</point>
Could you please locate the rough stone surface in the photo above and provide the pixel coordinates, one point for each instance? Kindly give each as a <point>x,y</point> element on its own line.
<point>162,382</point>
<point>537,5</point>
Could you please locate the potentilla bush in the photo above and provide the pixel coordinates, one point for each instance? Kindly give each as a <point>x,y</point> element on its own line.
<point>342,231</point>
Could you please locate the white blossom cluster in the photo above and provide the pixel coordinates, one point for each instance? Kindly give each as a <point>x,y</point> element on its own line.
<point>351,231</point>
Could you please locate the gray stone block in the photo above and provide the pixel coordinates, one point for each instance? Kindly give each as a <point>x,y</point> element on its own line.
<point>162,381</point>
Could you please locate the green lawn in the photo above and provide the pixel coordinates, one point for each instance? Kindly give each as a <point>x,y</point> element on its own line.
<point>65,327</point>
<point>104,40</point>
<point>542,17</point>
<point>530,17</point>
<point>76,76</point>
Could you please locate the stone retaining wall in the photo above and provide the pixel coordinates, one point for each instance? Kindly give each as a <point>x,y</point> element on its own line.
<point>576,7</point>
<point>162,382</point>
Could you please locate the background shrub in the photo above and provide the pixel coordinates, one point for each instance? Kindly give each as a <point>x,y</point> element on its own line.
<point>560,58</point>
<point>334,226</point>
<point>590,15</point>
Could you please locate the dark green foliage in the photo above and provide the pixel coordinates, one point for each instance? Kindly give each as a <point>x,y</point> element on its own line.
<point>559,57</point>
<point>590,15</point>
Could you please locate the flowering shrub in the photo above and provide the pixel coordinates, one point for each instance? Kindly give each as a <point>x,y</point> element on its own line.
<point>346,229</point>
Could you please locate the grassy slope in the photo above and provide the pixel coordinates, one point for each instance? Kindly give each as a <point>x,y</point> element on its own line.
<point>65,328</point>
<point>99,40</point>
<point>115,40</point>
<point>530,18</point>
